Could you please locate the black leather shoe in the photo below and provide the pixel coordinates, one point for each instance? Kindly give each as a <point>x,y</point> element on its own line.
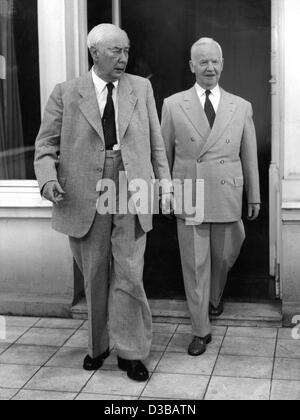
<point>135,369</point>
<point>215,312</point>
<point>198,345</point>
<point>95,364</point>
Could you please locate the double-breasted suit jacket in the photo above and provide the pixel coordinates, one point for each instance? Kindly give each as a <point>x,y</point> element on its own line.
<point>70,147</point>
<point>225,157</point>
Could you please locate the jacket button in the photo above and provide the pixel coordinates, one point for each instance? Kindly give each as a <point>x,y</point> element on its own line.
<point>100,170</point>
<point>199,160</point>
<point>223,182</point>
<point>193,139</point>
<point>227,141</point>
<point>222,162</point>
<point>102,149</point>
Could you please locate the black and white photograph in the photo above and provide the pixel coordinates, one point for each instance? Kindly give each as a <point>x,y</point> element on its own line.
<point>149,202</point>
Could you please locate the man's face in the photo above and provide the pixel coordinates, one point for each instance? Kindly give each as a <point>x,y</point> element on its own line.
<point>207,65</point>
<point>111,57</point>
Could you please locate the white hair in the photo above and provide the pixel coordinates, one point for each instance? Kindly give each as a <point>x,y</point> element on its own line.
<point>102,33</point>
<point>206,41</point>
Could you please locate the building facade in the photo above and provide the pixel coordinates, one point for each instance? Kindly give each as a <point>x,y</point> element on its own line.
<point>45,43</point>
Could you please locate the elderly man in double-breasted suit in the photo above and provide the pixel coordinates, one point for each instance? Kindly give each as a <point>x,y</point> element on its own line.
<point>94,128</point>
<point>210,135</point>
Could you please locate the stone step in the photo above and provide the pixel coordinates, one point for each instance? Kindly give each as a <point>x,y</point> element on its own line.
<point>240,314</point>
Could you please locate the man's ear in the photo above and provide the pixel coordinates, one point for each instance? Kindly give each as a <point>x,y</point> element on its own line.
<point>192,66</point>
<point>94,53</point>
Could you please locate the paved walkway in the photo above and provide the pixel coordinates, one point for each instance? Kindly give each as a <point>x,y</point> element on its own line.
<point>42,359</point>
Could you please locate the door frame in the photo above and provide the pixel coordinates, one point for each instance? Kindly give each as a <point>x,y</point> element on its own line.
<point>277,130</point>
<point>73,28</point>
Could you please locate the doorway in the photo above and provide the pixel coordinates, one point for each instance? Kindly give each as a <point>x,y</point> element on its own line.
<point>161,33</point>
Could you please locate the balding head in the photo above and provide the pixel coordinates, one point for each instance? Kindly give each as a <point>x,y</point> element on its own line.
<point>109,48</point>
<point>206,41</point>
<point>104,33</point>
<point>207,62</point>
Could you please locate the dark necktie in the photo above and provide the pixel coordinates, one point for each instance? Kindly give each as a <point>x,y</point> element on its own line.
<point>109,120</point>
<point>209,109</point>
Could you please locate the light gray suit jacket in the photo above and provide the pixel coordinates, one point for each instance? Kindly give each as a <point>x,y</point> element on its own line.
<point>70,147</point>
<point>225,156</point>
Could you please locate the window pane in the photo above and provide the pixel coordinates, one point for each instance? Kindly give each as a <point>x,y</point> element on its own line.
<point>19,88</point>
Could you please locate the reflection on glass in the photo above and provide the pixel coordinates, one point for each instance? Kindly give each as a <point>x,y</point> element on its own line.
<point>19,88</point>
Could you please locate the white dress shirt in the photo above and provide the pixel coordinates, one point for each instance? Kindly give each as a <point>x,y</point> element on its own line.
<point>101,93</point>
<point>214,98</point>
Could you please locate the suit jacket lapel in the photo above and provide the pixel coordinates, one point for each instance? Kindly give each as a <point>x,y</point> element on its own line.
<point>194,111</point>
<point>127,101</point>
<point>89,104</point>
<point>224,115</point>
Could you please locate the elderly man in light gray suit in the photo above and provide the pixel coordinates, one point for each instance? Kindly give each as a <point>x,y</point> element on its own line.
<point>209,134</point>
<point>95,127</point>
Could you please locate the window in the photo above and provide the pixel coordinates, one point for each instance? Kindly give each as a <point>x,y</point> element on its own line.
<point>19,88</point>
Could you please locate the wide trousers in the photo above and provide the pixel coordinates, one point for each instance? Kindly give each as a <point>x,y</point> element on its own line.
<point>111,259</point>
<point>208,252</point>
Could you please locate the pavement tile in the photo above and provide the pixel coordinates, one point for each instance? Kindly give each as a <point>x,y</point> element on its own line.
<point>68,357</point>
<point>27,355</point>
<point>285,334</point>
<point>173,386</point>
<point>99,397</point>
<point>85,326</point>
<point>79,340</point>
<point>285,391</point>
<point>46,337</point>
<point>287,369</point>
<point>164,328</point>
<point>187,329</point>
<point>113,383</point>
<point>13,334</point>
<point>289,349</point>
<point>185,364</point>
<point>59,323</point>
<point>58,379</point>
<point>160,341</point>
<point>25,395</point>
<point>3,347</point>
<point>19,321</point>
<point>7,394</point>
<point>252,332</point>
<point>16,376</point>
<point>222,388</point>
<point>244,367</point>
<point>180,344</point>
<point>248,346</point>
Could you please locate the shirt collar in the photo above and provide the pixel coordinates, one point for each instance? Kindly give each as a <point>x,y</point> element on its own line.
<point>215,91</point>
<point>100,84</point>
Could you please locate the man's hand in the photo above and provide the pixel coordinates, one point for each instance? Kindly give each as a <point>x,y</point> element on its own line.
<point>53,192</point>
<point>168,204</point>
<point>253,211</point>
